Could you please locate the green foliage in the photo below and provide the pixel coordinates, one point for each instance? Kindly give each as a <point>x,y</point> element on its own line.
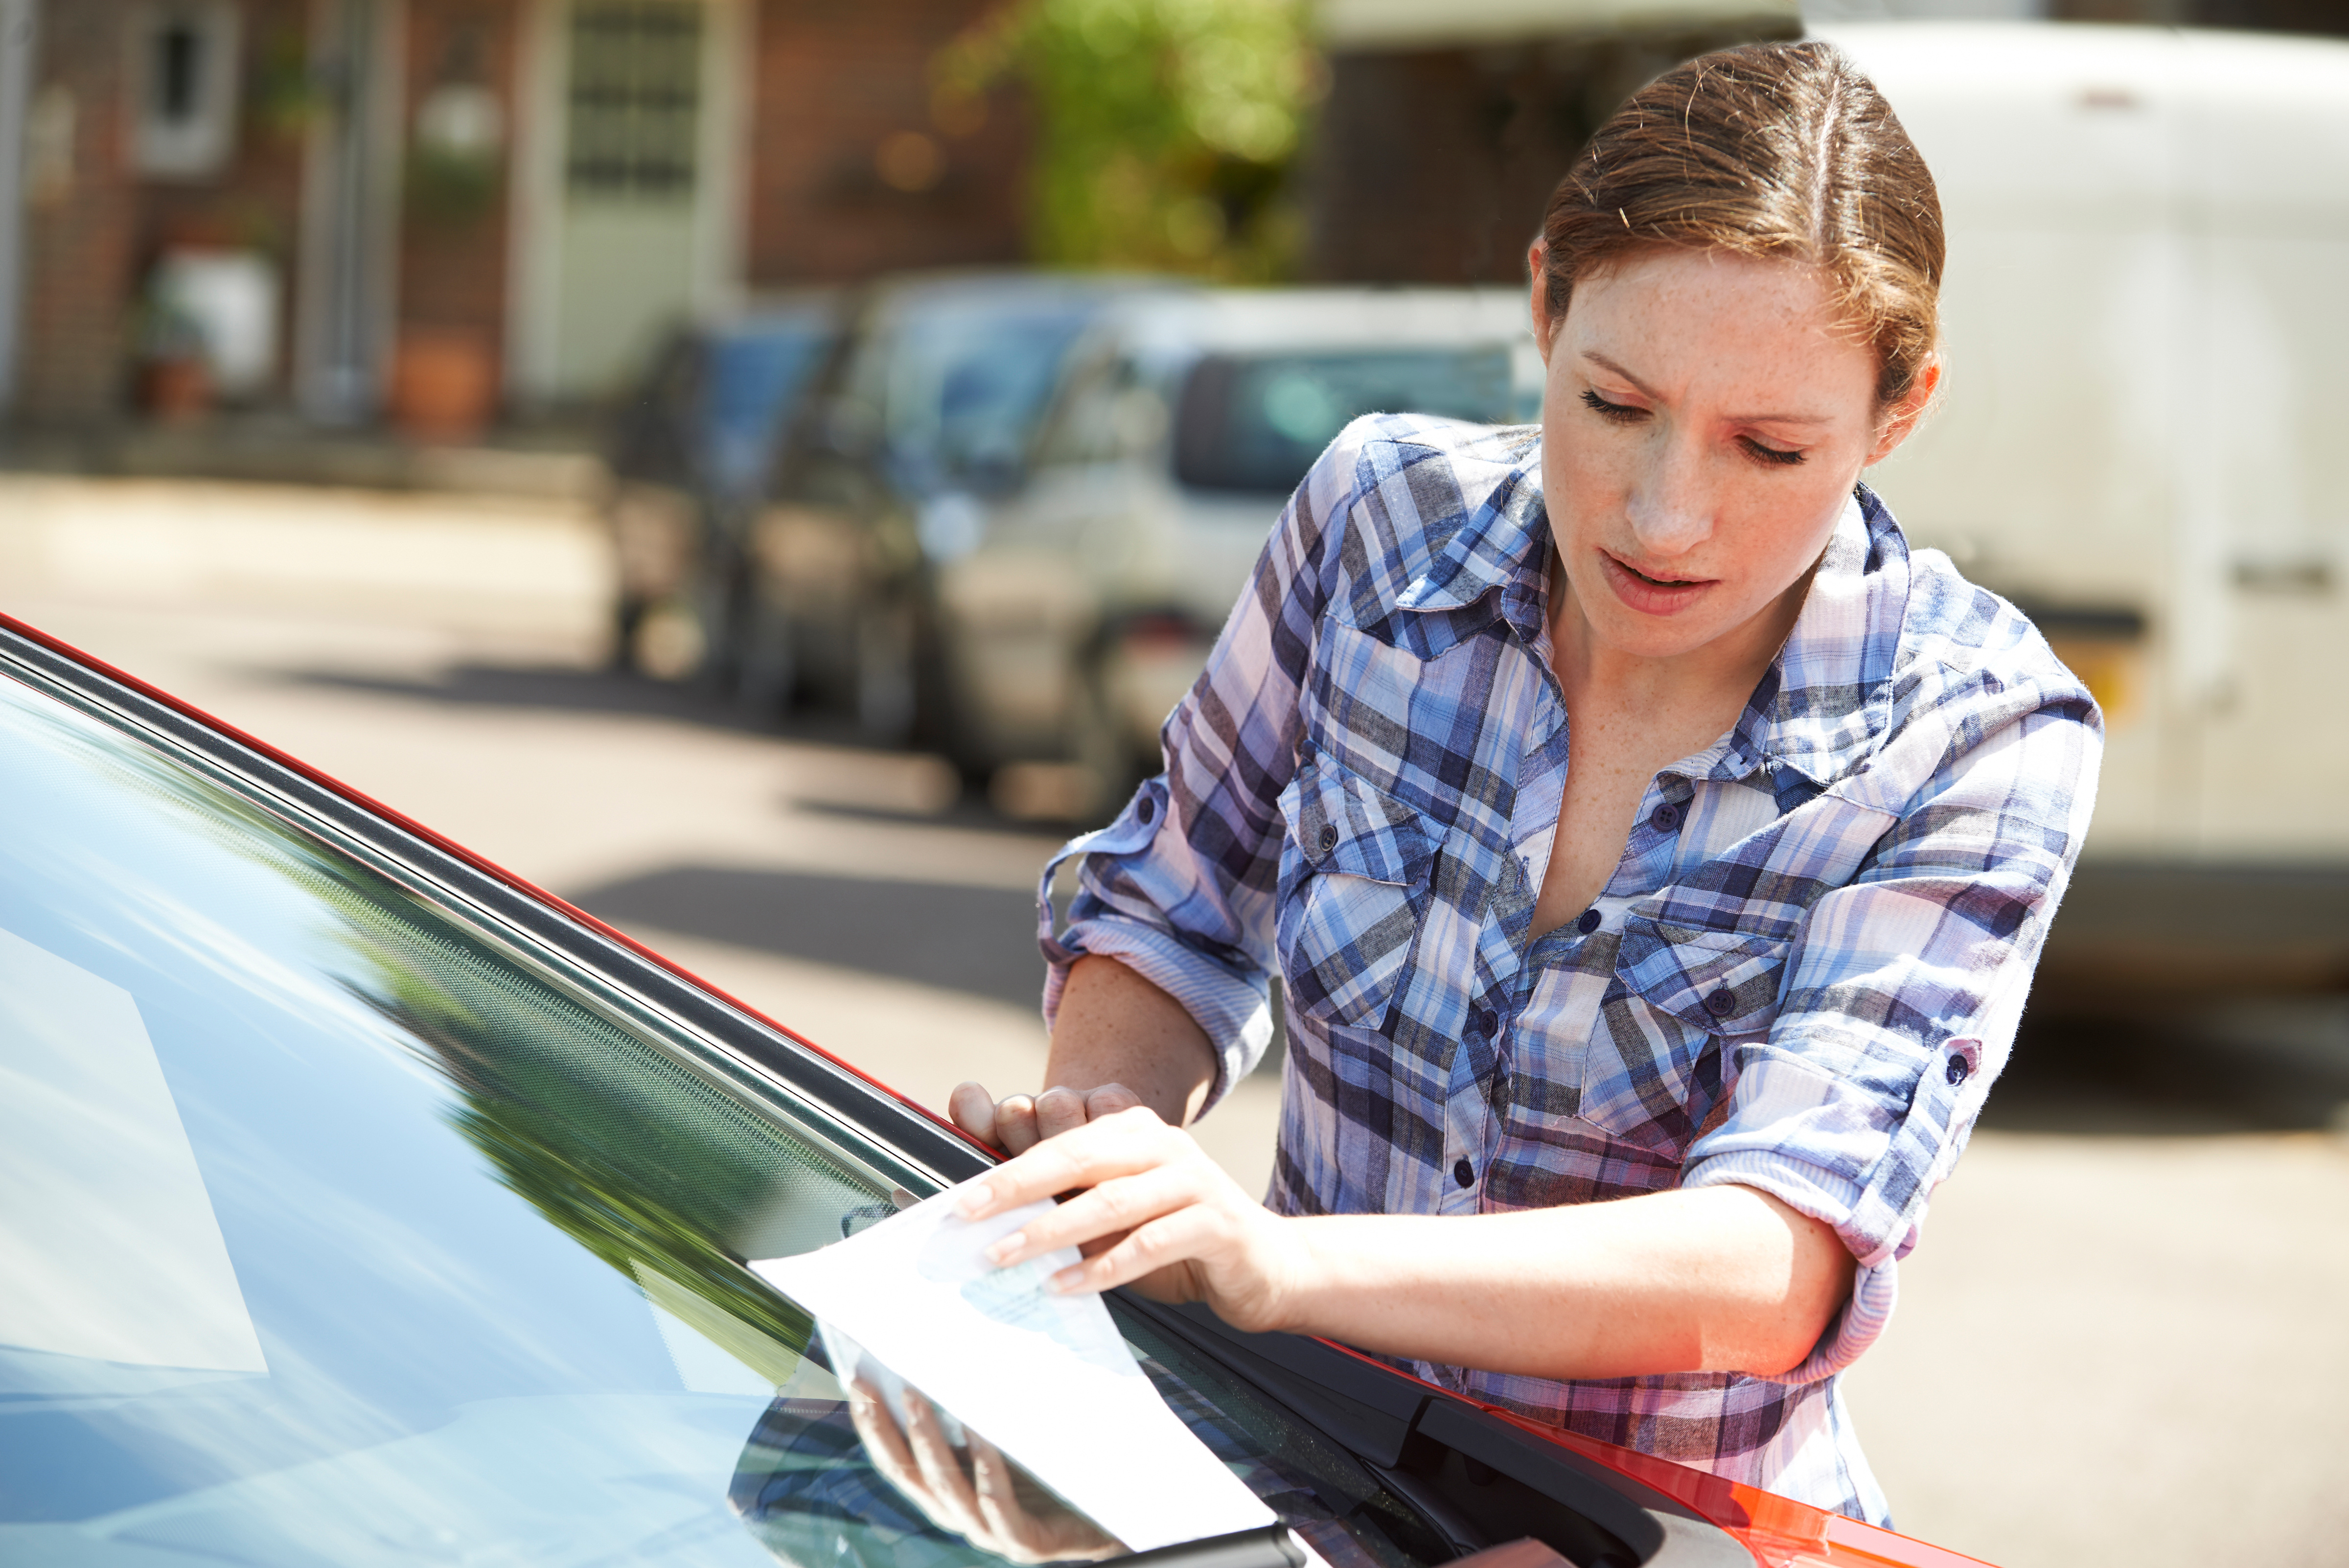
<point>1166,129</point>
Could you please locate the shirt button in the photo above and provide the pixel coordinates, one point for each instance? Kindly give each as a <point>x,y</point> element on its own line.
<point>1721,1004</point>
<point>1464,1173</point>
<point>1665,817</point>
<point>1489,1022</point>
<point>1959,1070</point>
<point>1328,836</point>
<point>1147,809</point>
<point>1589,922</point>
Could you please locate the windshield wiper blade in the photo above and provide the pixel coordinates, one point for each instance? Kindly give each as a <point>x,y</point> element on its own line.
<point>1268,1546</point>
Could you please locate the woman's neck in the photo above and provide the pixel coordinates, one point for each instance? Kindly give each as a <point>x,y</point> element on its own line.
<point>1594,672</point>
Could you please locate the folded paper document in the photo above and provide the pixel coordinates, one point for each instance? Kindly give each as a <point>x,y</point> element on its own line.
<point>1046,1378</point>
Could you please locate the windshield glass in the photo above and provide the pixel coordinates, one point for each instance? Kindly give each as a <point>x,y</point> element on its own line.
<point>367,1235</point>
<point>966,382</point>
<point>755,375</point>
<point>1256,424</point>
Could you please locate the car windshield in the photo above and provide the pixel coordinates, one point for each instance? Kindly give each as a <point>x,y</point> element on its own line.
<point>754,374</point>
<point>1257,422</point>
<point>343,1224</point>
<point>967,381</point>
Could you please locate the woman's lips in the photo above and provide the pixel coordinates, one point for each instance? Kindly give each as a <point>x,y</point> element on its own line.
<point>1646,594</point>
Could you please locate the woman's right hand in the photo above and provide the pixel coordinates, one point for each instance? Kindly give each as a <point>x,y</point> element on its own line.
<point>1018,1123</point>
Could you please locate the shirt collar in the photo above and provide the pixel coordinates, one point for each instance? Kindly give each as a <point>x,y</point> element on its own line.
<point>1826,702</point>
<point>1824,705</point>
<point>1502,540</point>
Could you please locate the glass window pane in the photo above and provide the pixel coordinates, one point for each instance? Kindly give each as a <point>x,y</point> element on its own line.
<point>366,1233</point>
<point>1257,423</point>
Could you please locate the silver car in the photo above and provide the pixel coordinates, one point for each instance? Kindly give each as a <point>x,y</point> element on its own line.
<point>1086,608</point>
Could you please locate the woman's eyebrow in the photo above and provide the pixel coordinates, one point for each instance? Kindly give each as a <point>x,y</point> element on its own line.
<point>1604,363</point>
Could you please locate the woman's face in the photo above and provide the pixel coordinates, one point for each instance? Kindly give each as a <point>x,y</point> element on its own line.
<point>1705,418</point>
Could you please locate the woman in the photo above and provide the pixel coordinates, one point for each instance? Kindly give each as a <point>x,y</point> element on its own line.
<point>1633,817</point>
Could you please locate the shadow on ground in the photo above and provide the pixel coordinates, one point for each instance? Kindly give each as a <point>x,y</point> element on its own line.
<point>979,940</point>
<point>570,691</point>
<point>555,689</point>
<point>2277,1064</point>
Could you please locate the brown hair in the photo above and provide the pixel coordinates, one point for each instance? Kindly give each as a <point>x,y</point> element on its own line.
<point>1768,150</point>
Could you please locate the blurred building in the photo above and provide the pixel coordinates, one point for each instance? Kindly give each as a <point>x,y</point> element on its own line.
<point>1447,125</point>
<point>444,209</point>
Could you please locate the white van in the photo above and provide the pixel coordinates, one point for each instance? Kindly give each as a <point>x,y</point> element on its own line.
<point>2145,441</point>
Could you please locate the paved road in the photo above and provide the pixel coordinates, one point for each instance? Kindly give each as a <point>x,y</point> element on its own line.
<point>2121,1342</point>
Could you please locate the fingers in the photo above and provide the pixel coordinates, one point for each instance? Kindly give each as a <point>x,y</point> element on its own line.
<point>972,1108</point>
<point>1108,1100</point>
<point>1015,1123</point>
<point>998,1504</point>
<point>1058,1110</point>
<point>1117,1145</point>
<point>1109,1209</point>
<point>1195,1231</point>
<point>1021,1121</point>
<point>940,1466</point>
<point>884,1443</point>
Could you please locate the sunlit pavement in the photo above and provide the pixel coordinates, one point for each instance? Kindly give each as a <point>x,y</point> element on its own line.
<point>2121,1341</point>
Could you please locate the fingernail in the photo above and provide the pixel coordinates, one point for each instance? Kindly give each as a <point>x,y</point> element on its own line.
<point>975,1200</point>
<point>1000,1253</point>
<point>1067,1280</point>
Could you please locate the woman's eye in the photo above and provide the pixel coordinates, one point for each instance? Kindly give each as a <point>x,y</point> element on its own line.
<point>1621,414</point>
<point>1769,453</point>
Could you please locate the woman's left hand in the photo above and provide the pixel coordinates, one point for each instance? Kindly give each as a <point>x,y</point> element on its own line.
<point>1155,1212</point>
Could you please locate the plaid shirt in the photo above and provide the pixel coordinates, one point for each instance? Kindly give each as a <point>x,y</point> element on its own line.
<point>1803,977</point>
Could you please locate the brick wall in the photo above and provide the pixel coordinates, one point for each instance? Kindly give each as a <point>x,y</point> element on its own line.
<point>835,80</point>
<point>453,250</point>
<point>82,228</point>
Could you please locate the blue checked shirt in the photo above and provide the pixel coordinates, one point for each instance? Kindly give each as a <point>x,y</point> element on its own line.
<point>1802,978</point>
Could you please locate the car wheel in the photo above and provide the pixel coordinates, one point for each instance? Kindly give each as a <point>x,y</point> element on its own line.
<point>1106,764</point>
<point>888,679</point>
<point>766,665</point>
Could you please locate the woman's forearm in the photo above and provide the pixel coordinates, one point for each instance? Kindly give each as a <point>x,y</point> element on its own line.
<point>1717,1279</point>
<point>1115,1027</point>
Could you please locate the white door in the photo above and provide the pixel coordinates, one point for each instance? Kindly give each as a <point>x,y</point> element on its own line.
<point>632,226</point>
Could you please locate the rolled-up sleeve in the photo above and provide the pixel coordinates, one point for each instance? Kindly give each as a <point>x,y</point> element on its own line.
<point>1903,989</point>
<point>1180,887</point>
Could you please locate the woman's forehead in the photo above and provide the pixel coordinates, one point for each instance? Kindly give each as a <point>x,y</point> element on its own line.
<point>1678,323</point>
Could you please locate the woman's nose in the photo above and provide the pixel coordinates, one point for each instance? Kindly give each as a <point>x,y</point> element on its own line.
<point>1672,506</point>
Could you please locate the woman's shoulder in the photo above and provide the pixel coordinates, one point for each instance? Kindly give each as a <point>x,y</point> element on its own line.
<point>1973,668</point>
<point>1969,630</point>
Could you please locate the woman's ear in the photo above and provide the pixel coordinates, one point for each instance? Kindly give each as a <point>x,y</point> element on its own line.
<point>1907,411</point>
<point>1535,255</point>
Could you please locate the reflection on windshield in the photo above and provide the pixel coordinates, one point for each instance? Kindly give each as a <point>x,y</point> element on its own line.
<point>477,1288</point>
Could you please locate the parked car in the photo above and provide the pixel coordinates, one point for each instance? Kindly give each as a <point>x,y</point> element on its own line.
<point>365,1205</point>
<point>2140,441</point>
<point>921,424</point>
<point>687,449</point>
<point>1085,608</point>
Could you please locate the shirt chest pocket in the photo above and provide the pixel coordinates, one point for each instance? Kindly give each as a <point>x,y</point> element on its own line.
<point>1678,989</point>
<point>1354,877</point>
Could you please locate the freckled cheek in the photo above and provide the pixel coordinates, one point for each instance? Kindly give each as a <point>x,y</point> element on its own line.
<point>1588,496</point>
